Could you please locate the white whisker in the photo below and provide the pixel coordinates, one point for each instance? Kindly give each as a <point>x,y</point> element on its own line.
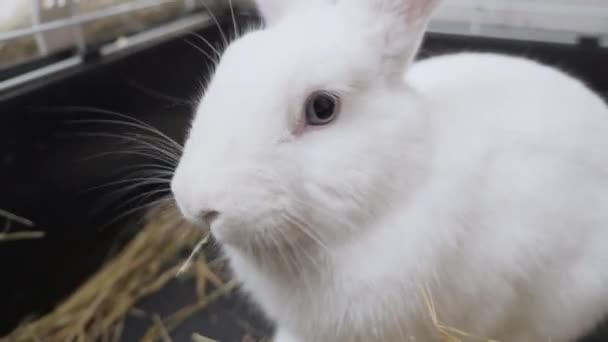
<point>129,121</point>
<point>235,27</point>
<point>211,46</point>
<point>174,101</point>
<point>297,253</point>
<point>144,127</point>
<point>214,18</point>
<point>144,142</point>
<point>118,194</point>
<point>201,50</point>
<point>338,219</point>
<point>303,228</point>
<point>142,196</point>
<point>148,166</point>
<point>124,153</point>
<point>285,259</point>
<point>138,209</point>
<point>140,182</point>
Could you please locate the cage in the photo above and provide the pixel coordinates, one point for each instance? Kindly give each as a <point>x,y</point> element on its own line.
<point>66,60</point>
<point>555,21</point>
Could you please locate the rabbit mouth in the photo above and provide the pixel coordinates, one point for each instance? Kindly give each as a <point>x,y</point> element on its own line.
<point>267,231</point>
<point>238,230</point>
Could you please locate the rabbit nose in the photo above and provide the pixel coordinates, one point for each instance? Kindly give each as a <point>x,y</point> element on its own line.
<point>208,215</point>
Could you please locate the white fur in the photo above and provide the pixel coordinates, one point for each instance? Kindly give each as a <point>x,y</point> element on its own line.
<point>483,178</point>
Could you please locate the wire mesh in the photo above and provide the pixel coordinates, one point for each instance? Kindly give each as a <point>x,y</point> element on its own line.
<point>561,21</point>
<point>36,28</point>
<point>33,29</point>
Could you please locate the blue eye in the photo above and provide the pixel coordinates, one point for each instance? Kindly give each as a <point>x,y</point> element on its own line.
<point>321,108</point>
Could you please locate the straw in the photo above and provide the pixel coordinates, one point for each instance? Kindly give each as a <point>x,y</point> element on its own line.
<point>97,310</point>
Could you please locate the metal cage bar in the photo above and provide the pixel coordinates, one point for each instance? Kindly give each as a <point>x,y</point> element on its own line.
<point>40,41</point>
<point>112,11</point>
<point>163,32</point>
<point>558,21</point>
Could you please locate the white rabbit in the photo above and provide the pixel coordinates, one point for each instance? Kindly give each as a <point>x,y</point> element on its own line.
<point>340,189</point>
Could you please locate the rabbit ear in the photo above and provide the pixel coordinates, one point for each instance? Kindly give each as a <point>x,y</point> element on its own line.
<point>274,10</point>
<point>394,27</point>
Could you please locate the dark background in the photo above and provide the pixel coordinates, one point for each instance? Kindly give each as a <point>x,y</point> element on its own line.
<point>43,170</point>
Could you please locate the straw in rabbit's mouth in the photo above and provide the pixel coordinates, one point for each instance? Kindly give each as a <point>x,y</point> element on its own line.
<point>447,333</point>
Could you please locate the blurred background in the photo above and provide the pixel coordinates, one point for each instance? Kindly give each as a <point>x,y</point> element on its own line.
<point>35,33</point>
<point>145,62</point>
<point>31,30</point>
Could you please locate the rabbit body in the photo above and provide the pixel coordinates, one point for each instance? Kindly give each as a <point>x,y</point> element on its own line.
<point>508,233</point>
<point>477,181</point>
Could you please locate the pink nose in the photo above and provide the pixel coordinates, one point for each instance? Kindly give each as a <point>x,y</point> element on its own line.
<point>208,215</point>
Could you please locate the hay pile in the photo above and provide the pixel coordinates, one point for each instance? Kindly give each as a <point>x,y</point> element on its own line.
<point>97,310</point>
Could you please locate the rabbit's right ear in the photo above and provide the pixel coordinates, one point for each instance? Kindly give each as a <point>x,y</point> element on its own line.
<point>393,28</point>
<point>272,11</point>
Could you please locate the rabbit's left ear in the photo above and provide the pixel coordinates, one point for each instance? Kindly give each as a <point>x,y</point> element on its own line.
<point>394,27</point>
